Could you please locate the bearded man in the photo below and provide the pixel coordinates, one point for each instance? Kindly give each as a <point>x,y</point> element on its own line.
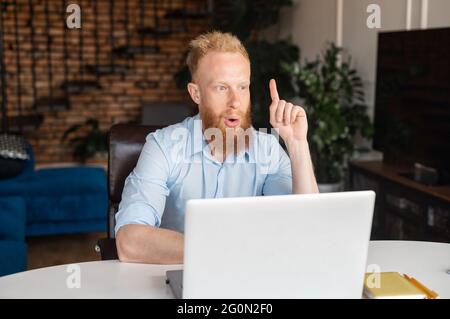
<point>215,154</point>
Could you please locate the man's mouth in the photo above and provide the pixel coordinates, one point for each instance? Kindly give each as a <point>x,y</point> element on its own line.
<point>232,121</point>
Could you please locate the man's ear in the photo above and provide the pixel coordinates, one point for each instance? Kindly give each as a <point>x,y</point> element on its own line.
<point>194,92</point>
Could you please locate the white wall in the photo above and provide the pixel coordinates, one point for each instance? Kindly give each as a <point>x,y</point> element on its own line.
<point>314,22</point>
<point>300,21</point>
<point>438,13</point>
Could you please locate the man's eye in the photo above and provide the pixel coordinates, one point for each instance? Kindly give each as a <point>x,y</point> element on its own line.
<point>221,88</point>
<point>244,87</point>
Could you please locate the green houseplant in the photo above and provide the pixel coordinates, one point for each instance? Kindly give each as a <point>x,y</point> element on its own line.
<point>334,100</point>
<point>92,142</point>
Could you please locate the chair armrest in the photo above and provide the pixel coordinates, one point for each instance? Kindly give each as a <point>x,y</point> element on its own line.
<point>107,248</point>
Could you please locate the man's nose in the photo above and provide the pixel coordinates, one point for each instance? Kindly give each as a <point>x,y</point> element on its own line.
<point>235,99</point>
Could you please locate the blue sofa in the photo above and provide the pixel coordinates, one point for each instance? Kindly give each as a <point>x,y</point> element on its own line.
<point>13,250</point>
<point>60,200</point>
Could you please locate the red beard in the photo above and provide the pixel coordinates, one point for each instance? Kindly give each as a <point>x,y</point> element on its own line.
<point>234,139</point>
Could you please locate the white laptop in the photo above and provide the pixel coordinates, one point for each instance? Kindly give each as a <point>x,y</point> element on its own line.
<point>292,246</point>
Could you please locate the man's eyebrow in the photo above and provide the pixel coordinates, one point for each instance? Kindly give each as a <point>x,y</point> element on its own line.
<point>217,82</point>
<point>246,82</point>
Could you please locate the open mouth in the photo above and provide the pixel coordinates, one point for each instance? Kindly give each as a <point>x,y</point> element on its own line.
<point>232,121</point>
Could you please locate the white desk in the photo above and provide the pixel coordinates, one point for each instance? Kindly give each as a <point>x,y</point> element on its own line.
<point>427,262</point>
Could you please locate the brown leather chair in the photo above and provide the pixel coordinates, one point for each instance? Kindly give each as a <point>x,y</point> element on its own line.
<point>125,145</point>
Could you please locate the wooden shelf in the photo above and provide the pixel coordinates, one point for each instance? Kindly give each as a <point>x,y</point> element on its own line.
<point>404,208</point>
<point>395,175</point>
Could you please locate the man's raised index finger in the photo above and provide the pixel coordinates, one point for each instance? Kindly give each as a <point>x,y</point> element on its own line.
<point>273,90</point>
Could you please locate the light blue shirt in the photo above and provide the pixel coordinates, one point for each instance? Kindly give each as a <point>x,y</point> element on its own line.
<point>176,165</point>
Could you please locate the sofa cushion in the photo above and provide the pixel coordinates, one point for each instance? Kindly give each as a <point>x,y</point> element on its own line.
<point>70,207</point>
<point>29,165</point>
<point>67,180</point>
<point>13,186</point>
<point>73,193</point>
<point>56,181</point>
<point>13,257</point>
<point>66,227</point>
<point>68,195</point>
<point>12,218</point>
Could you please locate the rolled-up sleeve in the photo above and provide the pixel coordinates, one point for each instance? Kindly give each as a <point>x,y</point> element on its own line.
<point>145,190</point>
<point>279,178</point>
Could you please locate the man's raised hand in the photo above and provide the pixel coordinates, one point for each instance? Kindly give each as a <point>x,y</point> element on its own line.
<point>289,119</point>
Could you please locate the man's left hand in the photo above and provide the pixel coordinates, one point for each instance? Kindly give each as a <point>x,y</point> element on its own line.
<point>289,119</point>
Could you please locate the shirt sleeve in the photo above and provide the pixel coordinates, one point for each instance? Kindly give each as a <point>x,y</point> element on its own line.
<point>145,190</point>
<point>279,177</point>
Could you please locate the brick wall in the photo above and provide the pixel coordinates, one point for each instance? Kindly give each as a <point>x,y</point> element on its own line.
<point>74,54</point>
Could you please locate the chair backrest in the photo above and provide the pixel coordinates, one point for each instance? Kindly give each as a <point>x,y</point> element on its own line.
<point>155,113</point>
<point>125,145</point>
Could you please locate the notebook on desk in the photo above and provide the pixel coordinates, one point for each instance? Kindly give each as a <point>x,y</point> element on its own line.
<point>292,246</point>
<point>393,285</point>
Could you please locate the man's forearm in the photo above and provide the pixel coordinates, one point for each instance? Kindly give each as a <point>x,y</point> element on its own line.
<point>303,179</point>
<point>146,244</point>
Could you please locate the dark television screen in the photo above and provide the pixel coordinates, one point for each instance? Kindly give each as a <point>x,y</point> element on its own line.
<point>412,107</point>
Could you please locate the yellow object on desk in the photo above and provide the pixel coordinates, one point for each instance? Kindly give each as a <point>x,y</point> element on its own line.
<point>393,285</point>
